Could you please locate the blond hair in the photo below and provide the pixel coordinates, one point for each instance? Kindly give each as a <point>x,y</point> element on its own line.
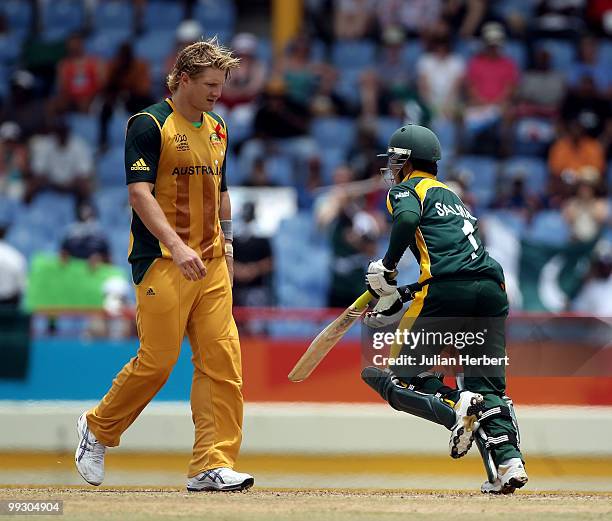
<point>194,58</point>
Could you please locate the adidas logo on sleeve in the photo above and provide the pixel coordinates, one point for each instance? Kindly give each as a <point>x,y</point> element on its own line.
<point>140,165</point>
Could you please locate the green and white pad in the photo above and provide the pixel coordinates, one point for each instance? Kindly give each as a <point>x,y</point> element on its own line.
<point>405,398</point>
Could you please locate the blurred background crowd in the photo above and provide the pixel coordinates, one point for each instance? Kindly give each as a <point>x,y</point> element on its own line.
<point>519,93</point>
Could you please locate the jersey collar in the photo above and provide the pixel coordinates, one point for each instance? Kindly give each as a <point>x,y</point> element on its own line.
<point>418,173</point>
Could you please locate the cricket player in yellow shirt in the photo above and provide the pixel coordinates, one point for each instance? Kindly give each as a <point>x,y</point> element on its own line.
<point>181,258</point>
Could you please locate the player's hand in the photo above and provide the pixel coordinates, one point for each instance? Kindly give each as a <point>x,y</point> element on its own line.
<point>189,262</point>
<point>380,281</point>
<point>387,311</point>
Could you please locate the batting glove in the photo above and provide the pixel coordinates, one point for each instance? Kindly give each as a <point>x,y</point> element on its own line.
<point>380,281</point>
<point>387,311</point>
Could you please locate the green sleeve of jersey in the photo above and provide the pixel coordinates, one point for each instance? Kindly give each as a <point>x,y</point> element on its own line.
<point>223,174</point>
<point>402,198</point>
<point>403,230</point>
<point>142,150</point>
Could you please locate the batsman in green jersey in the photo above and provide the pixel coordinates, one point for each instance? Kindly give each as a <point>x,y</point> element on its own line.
<point>457,279</point>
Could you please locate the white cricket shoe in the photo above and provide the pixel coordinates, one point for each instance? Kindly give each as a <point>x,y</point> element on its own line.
<point>468,409</point>
<point>221,479</point>
<point>511,474</point>
<point>89,456</point>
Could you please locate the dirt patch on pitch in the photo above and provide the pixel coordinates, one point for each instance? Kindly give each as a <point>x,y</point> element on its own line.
<point>312,505</point>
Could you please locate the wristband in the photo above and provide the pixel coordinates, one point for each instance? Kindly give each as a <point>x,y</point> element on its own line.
<point>226,227</point>
<point>229,250</point>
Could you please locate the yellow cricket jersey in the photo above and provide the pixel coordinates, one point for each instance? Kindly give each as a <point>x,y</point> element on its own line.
<point>187,166</point>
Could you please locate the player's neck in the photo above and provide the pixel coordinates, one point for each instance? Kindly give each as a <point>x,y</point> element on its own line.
<point>185,109</point>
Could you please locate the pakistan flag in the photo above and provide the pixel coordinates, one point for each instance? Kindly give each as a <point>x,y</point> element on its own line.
<point>550,276</point>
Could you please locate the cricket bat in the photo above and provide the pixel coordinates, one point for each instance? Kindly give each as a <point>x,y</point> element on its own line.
<point>328,338</point>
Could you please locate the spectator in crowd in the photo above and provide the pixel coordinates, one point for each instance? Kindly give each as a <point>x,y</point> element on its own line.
<point>465,17</point>
<point>187,32</point>
<point>440,76</point>
<point>326,100</point>
<point>587,211</point>
<point>594,296</point>
<point>61,162</point>
<point>362,157</point>
<point>128,84</point>
<point>599,16</point>
<point>280,126</point>
<point>80,77</point>
<point>23,106</point>
<point>412,16</point>
<point>575,155</point>
<point>542,89</point>
<point>353,235</point>
<point>388,89</point>
<point>300,74</point>
<point>248,81</point>
<point>259,177</point>
<point>584,104</point>
<point>253,263</point>
<point>588,64</point>
<point>14,161</point>
<point>85,239</point>
<point>491,81</point>
<point>559,19</point>
<point>353,19</point>
<point>13,271</point>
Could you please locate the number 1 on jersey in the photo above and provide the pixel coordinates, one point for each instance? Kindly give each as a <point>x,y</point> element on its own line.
<point>468,230</point>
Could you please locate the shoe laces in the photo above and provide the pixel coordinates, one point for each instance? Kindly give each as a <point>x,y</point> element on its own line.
<point>94,447</point>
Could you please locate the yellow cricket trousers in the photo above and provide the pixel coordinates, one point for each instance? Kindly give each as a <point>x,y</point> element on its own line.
<point>168,305</point>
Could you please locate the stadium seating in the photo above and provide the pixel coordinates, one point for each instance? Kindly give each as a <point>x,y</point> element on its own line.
<point>484,172</point>
<point>113,14</point>
<point>105,42</point>
<point>216,15</point>
<point>155,46</point>
<point>353,54</point>
<point>533,169</point>
<point>548,227</point>
<point>160,14</point>
<point>111,169</point>
<point>61,18</point>
<point>562,52</point>
<point>333,131</point>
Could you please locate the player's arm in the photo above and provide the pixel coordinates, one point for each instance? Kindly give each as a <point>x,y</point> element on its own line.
<point>404,206</point>
<point>142,147</point>
<point>225,217</point>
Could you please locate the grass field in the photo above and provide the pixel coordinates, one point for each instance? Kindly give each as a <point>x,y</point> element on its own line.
<point>127,504</point>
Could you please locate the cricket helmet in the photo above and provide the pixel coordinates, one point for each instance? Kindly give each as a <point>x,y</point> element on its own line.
<point>410,142</point>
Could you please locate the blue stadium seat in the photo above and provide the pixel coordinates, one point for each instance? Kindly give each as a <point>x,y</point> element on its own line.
<point>562,53</point>
<point>58,209</point>
<point>514,220</point>
<point>114,14</point>
<point>112,206</point>
<point>516,50</point>
<point>525,8</point>
<point>385,126</point>
<point>280,169</point>
<point>348,85</point>
<point>353,54</point>
<point>84,126</point>
<point>484,170</point>
<point>534,169</point>
<point>18,13</point>
<point>604,56</point>
<point>331,158</point>
<point>160,14</point>
<point>10,47</point>
<point>216,15</point>
<point>411,53</point>
<point>106,41</point>
<point>62,17</point>
<point>445,130</point>
<point>155,46</point>
<point>111,168</point>
<point>336,131</point>
<point>548,227</point>
<point>116,128</point>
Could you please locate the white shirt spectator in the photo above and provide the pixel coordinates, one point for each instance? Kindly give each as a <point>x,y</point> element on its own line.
<point>13,272</point>
<point>442,74</point>
<point>61,164</point>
